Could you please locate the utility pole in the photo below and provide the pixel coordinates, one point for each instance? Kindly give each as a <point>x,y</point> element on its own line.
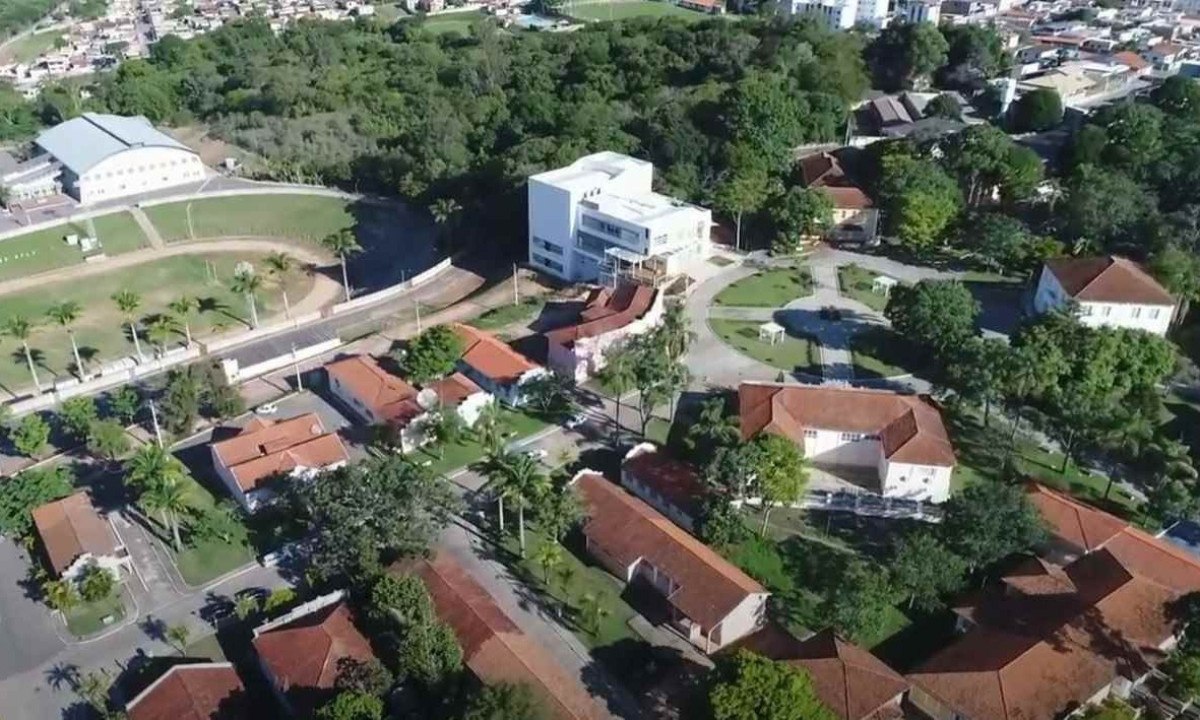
<point>417,305</point>
<point>516,291</point>
<point>287,307</point>
<point>296,365</point>
<point>154,419</point>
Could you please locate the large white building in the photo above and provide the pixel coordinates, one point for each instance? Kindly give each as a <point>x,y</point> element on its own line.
<point>900,437</point>
<point>96,157</point>
<point>843,14</point>
<point>599,219</point>
<point>1105,292</point>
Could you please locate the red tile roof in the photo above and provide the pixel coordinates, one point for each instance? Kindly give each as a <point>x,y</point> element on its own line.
<point>1040,651</point>
<point>70,528</point>
<point>627,529</point>
<point>203,691</point>
<point>388,397</point>
<point>605,311</point>
<point>452,390</point>
<point>676,482</point>
<point>910,427</point>
<point>1134,61</point>
<point>848,198</point>
<point>822,170</point>
<point>492,357</point>
<point>493,647</point>
<point>265,449</point>
<point>303,655</point>
<point>1073,522</point>
<point>1108,279</point>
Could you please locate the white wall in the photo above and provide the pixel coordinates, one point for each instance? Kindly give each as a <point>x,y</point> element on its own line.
<point>231,485</point>
<point>551,219</point>
<point>915,482</point>
<point>586,357</point>
<point>1151,318</point>
<point>746,618</point>
<point>352,401</point>
<point>135,171</point>
<point>837,448</point>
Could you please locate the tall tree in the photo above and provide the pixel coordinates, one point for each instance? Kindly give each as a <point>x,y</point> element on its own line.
<point>127,302</point>
<point>504,701</point>
<point>1037,110</point>
<point>342,243</point>
<point>432,354</point>
<point>66,313</point>
<point>18,328</point>
<point>247,284</point>
<point>936,314</point>
<point>618,376</point>
<point>748,686</point>
<point>780,472</point>
<point>988,521</point>
<point>528,484</point>
<point>924,570</point>
<point>905,55</point>
<point>798,214</point>
<point>182,308</point>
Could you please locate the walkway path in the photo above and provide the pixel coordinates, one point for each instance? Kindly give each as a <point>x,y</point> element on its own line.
<point>147,227</point>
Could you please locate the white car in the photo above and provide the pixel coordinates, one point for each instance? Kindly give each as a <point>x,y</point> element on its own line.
<point>575,421</point>
<point>267,409</point>
<point>537,453</point>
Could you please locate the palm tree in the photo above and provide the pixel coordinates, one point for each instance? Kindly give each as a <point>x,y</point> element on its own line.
<point>169,498</point>
<point>495,467</point>
<point>342,243</point>
<point>594,610</point>
<point>247,284</point>
<point>65,314</point>
<point>127,302</point>
<point>444,212</point>
<point>488,429</point>
<point>178,636</point>
<point>61,595</point>
<point>18,328</point>
<point>618,376</point>
<point>279,266</point>
<point>245,606</point>
<point>183,307</point>
<point>528,482</point>
<point>676,335</point>
<point>548,557</point>
<point>152,464</point>
<point>160,331</point>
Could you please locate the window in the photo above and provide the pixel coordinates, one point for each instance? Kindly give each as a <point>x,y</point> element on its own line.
<point>1106,311</point>
<point>852,437</point>
<point>1136,313</point>
<point>547,262</point>
<point>1154,314</point>
<point>810,434</point>
<point>547,246</point>
<point>1085,310</point>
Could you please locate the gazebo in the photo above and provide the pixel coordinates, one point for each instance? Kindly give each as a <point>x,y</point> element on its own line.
<point>883,284</point>
<point>771,332</point>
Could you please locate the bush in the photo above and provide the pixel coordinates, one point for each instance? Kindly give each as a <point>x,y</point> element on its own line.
<point>96,583</point>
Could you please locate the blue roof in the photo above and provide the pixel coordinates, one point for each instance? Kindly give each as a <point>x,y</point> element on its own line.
<point>83,142</point>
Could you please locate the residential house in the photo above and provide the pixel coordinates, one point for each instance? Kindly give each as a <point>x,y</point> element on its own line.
<point>712,7</point>
<point>1050,639</point>
<point>609,317</point>
<point>599,220</point>
<point>1138,66</point>
<point>855,217</point>
<point>75,535</point>
<point>1166,57</point>
<point>670,486</point>
<point>919,11</point>
<point>494,366</point>
<point>197,691</point>
<point>494,649</point>
<point>378,397</point>
<point>300,652</point>
<point>901,437</point>
<point>265,450</point>
<point>1106,291</point>
<point>848,679</point>
<point>711,603</point>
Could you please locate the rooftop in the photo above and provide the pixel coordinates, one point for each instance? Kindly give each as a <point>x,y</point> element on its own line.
<point>627,529</point>
<point>70,528</point>
<point>591,171</point>
<point>491,356</point>
<point>1108,279</point>
<point>201,691</point>
<point>910,427</point>
<point>453,389</point>
<point>643,209</point>
<point>606,310</point>
<point>676,482</point>
<point>387,396</point>
<point>264,449</point>
<point>1073,522</point>
<point>83,142</point>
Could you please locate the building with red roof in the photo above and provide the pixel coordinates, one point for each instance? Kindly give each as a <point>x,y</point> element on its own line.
<point>74,535</point>
<point>494,366</point>
<point>609,317</point>
<point>670,486</point>
<point>265,450</point>
<point>855,217</point>
<point>300,652</point>
<point>198,691</point>
<point>1106,291</point>
<point>710,602</point>
<point>902,437</point>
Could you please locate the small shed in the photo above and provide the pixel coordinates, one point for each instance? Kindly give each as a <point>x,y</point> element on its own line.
<point>883,284</point>
<point>771,332</point>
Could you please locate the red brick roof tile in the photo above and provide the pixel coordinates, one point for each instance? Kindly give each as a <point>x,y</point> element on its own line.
<point>1108,279</point>
<point>70,528</point>
<point>492,357</point>
<point>265,449</point>
<point>605,311</point>
<point>203,691</point>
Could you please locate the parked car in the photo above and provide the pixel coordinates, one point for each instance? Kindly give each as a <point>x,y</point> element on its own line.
<point>537,453</point>
<point>267,409</point>
<point>575,421</point>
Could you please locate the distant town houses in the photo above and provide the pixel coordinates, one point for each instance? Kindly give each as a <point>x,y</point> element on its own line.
<point>608,318</point>
<point>900,437</point>
<point>1106,291</point>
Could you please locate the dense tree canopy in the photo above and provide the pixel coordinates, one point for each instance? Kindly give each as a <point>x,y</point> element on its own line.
<point>747,686</point>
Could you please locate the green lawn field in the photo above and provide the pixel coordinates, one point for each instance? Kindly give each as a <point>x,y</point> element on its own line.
<point>770,288</point>
<point>44,250</point>
<point>792,354</point>
<point>303,217</point>
<point>99,329</point>
<point>30,46</point>
<point>459,22</point>
<point>624,9</point>
<point>857,283</point>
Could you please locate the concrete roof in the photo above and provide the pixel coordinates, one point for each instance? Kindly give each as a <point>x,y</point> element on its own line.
<point>83,142</point>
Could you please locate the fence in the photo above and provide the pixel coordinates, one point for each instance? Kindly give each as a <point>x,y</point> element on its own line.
<point>391,292</point>
<point>865,504</point>
<point>235,374</point>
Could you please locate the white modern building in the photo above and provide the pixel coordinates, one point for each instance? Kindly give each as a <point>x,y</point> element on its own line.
<point>96,157</point>
<point>599,219</point>
<point>843,14</point>
<point>1105,292</point>
<point>900,437</point>
<point>922,11</point>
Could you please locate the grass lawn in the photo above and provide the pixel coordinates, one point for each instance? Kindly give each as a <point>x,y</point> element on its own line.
<point>523,312</point>
<point>769,288</point>
<point>624,9</point>
<point>205,647</point>
<point>575,578</point>
<point>99,330</point>
<point>458,22</point>
<point>88,618</point>
<point>205,561</point>
<point>881,353</point>
<point>792,354</point>
<point>456,455</point>
<point>44,250</point>
<point>30,46</point>
<point>301,217</point>
<point>856,283</point>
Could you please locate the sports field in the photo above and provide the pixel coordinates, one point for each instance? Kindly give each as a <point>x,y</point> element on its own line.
<point>46,249</point>
<point>302,217</point>
<point>100,331</point>
<point>29,47</point>
<point>624,9</point>
<point>459,22</point>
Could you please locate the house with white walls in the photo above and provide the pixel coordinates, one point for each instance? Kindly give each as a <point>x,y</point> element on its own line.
<point>609,317</point>
<point>901,437</point>
<point>494,366</point>
<point>74,536</point>
<point>1106,291</point>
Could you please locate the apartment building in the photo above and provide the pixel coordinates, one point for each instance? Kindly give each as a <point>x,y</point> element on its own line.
<point>599,219</point>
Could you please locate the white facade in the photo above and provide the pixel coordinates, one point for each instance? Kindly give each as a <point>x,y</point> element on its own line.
<point>257,498</point>
<point>1155,319</point>
<point>922,11</point>
<point>132,172</point>
<point>601,209</point>
<point>836,14</point>
<point>900,480</point>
